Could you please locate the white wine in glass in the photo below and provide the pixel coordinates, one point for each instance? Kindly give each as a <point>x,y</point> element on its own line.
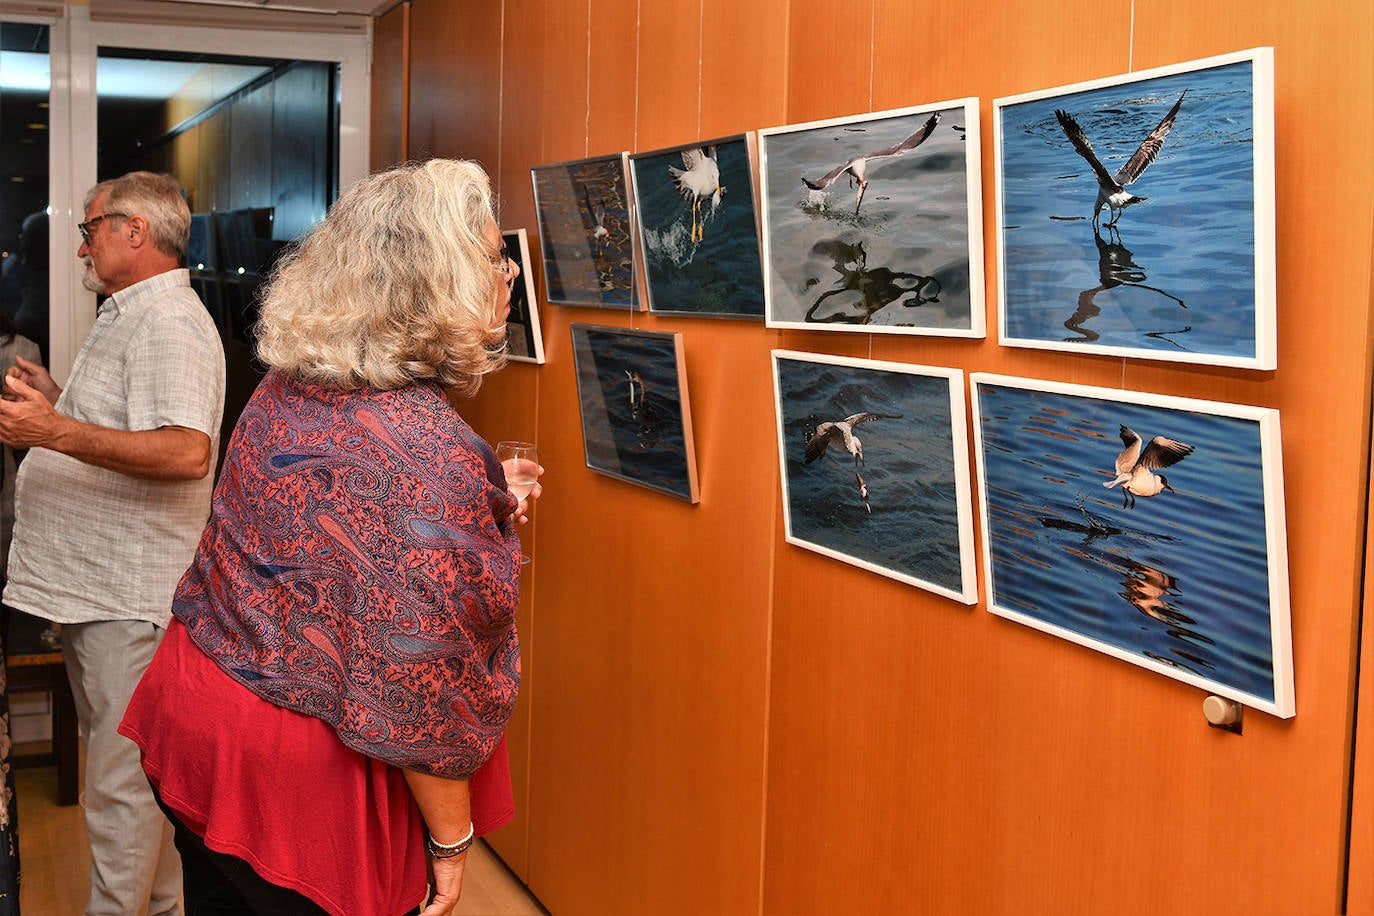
<point>521,463</point>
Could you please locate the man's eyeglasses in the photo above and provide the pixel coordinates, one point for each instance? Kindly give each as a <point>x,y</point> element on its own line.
<point>86,227</point>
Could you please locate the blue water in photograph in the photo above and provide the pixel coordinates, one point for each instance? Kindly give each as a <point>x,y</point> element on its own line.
<point>1177,271</point>
<point>1180,579</point>
<point>700,259</point>
<point>902,258</point>
<point>520,321</point>
<point>632,422</point>
<point>909,522</point>
<point>584,231</point>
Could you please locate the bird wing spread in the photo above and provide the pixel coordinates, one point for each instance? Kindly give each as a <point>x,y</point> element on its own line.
<point>1162,452</point>
<point>1149,148</point>
<point>1085,149</point>
<point>1127,459</point>
<point>911,142</point>
<point>855,419</point>
<point>820,184</point>
<point>820,439</point>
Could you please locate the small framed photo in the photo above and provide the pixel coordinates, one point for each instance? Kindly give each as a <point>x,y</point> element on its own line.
<point>586,232</point>
<point>524,341</point>
<point>874,223</point>
<point>636,418</point>
<point>698,228</point>
<point>875,467</point>
<point>1149,528</point>
<point>1135,214</point>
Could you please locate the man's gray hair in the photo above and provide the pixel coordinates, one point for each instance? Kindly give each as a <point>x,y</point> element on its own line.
<point>155,197</point>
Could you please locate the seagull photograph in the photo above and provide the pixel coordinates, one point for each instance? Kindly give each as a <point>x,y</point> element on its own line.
<point>874,463</point>
<point>636,415</point>
<point>1210,561</point>
<point>1174,166</point>
<point>855,168</point>
<point>585,232</point>
<point>903,187</point>
<point>698,228</point>
<point>1136,466</point>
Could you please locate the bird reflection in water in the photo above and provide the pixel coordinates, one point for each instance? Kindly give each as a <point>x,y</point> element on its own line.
<point>642,411</point>
<point>1153,592</point>
<point>876,287</point>
<point>1116,267</point>
<point>1149,589</point>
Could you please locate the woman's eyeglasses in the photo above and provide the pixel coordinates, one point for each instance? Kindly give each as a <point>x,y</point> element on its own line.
<point>502,263</point>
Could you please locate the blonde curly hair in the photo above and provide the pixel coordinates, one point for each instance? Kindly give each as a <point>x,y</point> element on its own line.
<point>396,285</point>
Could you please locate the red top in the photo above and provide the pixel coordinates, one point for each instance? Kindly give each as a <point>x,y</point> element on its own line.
<point>280,790</point>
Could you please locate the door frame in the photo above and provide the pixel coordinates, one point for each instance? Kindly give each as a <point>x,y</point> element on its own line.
<point>74,42</point>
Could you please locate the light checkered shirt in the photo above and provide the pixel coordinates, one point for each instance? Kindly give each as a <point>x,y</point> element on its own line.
<point>91,544</point>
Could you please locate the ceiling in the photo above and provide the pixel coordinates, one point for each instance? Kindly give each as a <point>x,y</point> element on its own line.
<point>356,7</point>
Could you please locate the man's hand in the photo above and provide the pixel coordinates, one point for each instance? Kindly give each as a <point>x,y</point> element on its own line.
<point>27,417</point>
<point>35,376</point>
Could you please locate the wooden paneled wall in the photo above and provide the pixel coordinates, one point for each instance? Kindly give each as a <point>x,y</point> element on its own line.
<point>716,722</point>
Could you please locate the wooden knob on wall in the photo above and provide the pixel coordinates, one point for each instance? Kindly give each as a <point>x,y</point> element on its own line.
<point>1221,712</point>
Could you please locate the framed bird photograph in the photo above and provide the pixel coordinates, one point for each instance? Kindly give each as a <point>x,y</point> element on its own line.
<point>1150,528</point>
<point>586,232</point>
<point>875,468</point>
<point>524,341</point>
<point>698,228</point>
<point>874,223</point>
<point>636,417</point>
<point>1135,214</point>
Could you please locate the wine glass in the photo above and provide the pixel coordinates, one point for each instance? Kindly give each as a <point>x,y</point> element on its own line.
<point>521,462</point>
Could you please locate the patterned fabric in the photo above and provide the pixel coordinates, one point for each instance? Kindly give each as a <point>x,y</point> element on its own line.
<point>92,544</point>
<point>361,566</point>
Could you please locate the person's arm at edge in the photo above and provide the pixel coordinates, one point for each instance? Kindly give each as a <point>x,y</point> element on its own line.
<point>167,453</point>
<point>446,806</point>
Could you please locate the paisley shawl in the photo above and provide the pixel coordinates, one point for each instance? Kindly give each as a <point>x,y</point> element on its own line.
<point>361,566</point>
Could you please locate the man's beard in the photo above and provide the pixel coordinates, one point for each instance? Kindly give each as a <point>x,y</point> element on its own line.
<point>90,279</point>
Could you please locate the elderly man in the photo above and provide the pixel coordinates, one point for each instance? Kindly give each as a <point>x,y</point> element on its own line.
<point>111,502</point>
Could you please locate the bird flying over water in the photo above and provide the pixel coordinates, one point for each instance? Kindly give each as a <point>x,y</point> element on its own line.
<point>1111,190</point>
<point>698,181</point>
<point>1135,468</point>
<point>857,166</point>
<point>841,433</point>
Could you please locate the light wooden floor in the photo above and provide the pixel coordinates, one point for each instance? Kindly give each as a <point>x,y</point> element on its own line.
<point>56,861</point>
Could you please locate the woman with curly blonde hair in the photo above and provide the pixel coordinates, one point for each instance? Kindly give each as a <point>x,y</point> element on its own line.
<point>324,721</point>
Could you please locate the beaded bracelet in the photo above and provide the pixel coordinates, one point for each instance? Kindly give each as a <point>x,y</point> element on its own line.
<point>449,850</point>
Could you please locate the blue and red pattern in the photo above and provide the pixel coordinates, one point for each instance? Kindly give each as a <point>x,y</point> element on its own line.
<point>361,566</point>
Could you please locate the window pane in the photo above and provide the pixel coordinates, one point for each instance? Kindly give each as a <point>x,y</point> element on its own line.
<point>24,92</point>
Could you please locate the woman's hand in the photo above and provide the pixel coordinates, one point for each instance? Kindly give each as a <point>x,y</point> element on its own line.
<point>446,883</point>
<point>522,511</point>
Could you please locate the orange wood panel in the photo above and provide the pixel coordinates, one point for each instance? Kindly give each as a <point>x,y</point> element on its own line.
<point>669,75</point>
<point>743,66</point>
<point>388,87</point>
<point>1360,861</point>
<point>523,105</point>
<point>455,79</point>
<point>684,663</point>
<point>829,60</point>
<point>1074,767</point>
<point>613,49</point>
